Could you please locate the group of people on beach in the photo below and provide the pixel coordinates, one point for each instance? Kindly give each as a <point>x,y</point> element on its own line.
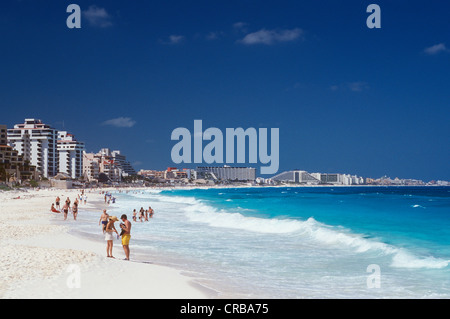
<point>66,208</point>
<point>109,198</point>
<point>109,229</point>
<point>106,221</point>
<point>144,215</point>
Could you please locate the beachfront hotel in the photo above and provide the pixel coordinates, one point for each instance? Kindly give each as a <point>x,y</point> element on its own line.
<point>13,168</point>
<point>227,173</point>
<point>37,143</point>
<point>121,160</point>
<point>49,150</point>
<point>70,155</point>
<point>303,177</point>
<point>112,164</point>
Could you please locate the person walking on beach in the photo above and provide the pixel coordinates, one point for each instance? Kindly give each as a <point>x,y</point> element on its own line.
<point>57,201</point>
<point>126,235</point>
<point>68,204</point>
<point>109,237</point>
<point>65,210</point>
<point>104,220</point>
<point>75,210</point>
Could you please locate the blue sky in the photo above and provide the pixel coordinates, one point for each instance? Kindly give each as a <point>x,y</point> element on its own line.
<point>346,98</point>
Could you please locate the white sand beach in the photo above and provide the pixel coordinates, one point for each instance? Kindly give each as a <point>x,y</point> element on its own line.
<point>42,260</point>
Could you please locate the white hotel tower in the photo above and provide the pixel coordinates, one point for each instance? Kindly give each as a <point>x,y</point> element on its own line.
<point>37,143</point>
<point>70,155</point>
<point>52,152</point>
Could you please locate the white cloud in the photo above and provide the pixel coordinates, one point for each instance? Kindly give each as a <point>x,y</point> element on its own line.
<point>435,49</point>
<point>120,122</point>
<point>269,37</point>
<point>357,86</point>
<point>175,39</point>
<point>240,26</point>
<point>214,35</point>
<point>97,17</point>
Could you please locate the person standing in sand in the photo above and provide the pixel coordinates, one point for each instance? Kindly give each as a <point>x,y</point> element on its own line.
<point>126,235</point>
<point>75,209</point>
<point>65,210</point>
<point>57,201</point>
<point>68,204</point>
<point>104,220</point>
<point>109,237</point>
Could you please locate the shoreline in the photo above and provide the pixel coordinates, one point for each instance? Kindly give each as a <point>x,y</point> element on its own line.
<point>40,258</point>
<point>39,248</point>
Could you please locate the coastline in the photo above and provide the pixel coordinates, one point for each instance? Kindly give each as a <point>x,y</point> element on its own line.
<point>39,248</point>
<point>41,259</point>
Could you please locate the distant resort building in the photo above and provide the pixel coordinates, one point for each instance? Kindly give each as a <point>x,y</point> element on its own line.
<point>70,155</point>
<point>170,173</point>
<point>296,177</point>
<point>121,160</point>
<point>227,173</point>
<point>106,164</point>
<point>303,177</point>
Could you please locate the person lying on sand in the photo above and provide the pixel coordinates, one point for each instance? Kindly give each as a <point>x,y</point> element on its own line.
<point>54,210</point>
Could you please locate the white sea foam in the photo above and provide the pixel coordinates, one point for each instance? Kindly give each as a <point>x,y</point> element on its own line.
<point>403,259</point>
<point>310,229</point>
<point>206,214</point>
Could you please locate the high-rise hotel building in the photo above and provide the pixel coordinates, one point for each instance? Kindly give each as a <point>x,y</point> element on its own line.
<point>70,155</point>
<point>47,149</point>
<point>228,173</point>
<point>37,143</point>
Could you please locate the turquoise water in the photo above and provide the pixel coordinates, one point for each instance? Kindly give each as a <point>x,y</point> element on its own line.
<point>299,242</point>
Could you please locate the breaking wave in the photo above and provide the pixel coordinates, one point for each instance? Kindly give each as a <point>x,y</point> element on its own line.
<point>310,229</point>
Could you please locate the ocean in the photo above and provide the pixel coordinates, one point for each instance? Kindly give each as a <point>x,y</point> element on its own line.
<point>295,242</point>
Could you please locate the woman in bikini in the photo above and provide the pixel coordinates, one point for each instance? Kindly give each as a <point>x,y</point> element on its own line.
<point>109,229</point>
<point>75,210</point>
